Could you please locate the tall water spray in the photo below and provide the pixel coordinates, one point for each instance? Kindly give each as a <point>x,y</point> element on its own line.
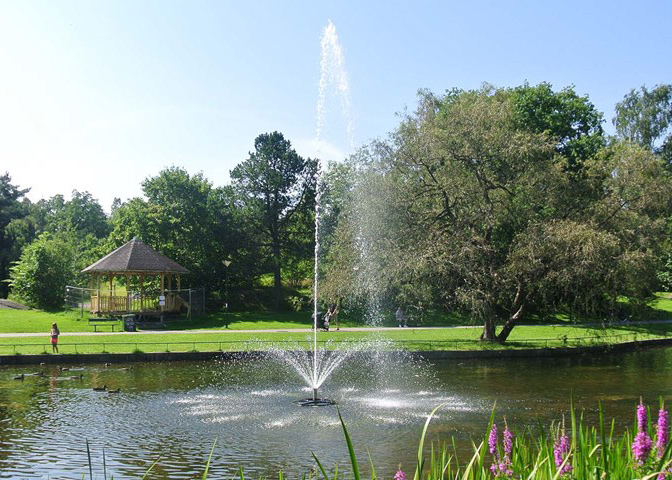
<point>332,76</point>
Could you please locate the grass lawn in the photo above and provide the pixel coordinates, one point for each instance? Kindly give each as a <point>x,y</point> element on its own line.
<point>409,339</point>
<point>222,332</point>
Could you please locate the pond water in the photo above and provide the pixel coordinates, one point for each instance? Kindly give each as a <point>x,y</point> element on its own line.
<point>175,411</point>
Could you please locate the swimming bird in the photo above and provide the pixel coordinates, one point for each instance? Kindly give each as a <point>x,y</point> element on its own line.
<point>63,369</point>
<point>20,377</point>
<point>100,389</point>
<point>77,377</point>
<point>114,391</point>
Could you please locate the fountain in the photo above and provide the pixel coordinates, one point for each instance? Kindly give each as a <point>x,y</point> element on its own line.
<point>332,73</point>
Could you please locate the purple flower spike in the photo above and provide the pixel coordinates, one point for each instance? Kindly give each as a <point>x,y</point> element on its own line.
<point>641,417</point>
<point>663,429</point>
<point>641,447</point>
<point>562,448</point>
<point>492,440</point>
<point>400,475</point>
<point>508,442</point>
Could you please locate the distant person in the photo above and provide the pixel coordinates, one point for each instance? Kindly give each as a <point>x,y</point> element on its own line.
<point>332,314</point>
<point>401,318</point>
<point>321,322</point>
<point>55,332</point>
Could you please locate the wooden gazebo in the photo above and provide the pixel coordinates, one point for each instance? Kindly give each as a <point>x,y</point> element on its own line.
<point>135,258</point>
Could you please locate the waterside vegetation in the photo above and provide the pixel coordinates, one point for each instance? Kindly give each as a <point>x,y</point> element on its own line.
<point>562,450</point>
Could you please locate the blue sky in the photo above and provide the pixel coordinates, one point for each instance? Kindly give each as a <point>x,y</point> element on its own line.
<point>98,95</point>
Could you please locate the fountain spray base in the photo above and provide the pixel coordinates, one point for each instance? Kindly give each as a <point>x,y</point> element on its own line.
<point>315,402</point>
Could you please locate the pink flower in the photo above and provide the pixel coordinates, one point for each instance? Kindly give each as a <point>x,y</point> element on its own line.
<point>641,416</point>
<point>560,449</point>
<point>400,475</point>
<point>663,432</point>
<point>508,442</point>
<point>641,447</point>
<point>492,440</point>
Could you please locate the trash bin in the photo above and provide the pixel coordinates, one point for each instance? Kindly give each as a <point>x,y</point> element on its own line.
<point>129,322</point>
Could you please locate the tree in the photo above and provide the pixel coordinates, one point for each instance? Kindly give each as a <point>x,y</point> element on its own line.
<point>185,218</point>
<point>276,188</point>
<point>45,268</point>
<point>571,120</point>
<point>644,116</point>
<point>11,208</point>
<point>486,220</point>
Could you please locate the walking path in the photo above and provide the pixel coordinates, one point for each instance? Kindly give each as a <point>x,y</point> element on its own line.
<point>293,330</point>
<point>228,331</point>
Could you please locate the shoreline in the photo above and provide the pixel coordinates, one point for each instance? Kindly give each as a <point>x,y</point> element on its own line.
<point>91,358</point>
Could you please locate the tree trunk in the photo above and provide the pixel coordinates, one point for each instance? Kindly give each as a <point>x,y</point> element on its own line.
<point>508,326</point>
<point>518,307</point>
<point>488,334</point>
<point>277,279</point>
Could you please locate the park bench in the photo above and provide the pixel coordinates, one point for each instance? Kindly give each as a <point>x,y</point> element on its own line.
<point>96,322</point>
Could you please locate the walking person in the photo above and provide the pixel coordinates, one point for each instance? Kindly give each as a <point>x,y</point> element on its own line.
<point>55,332</point>
<point>401,318</point>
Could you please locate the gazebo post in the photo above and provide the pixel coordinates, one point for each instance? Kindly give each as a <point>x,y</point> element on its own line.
<point>100,303</point>
<point>142,290</point>
<point>163,291</point>
<point>128,294</point>
<point>91,285</point>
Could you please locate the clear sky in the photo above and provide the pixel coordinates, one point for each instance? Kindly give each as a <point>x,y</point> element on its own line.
<point>98,95</point>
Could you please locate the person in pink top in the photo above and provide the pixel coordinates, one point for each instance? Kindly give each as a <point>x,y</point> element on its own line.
<point>55,332</point>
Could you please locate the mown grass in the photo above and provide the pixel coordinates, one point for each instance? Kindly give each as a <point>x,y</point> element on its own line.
<point>27,321</point>
<point>406,339</point>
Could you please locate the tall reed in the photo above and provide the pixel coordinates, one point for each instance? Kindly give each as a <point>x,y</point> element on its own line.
<point>565,452</point>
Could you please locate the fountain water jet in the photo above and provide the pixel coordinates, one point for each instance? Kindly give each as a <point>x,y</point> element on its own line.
<point>332,72</point>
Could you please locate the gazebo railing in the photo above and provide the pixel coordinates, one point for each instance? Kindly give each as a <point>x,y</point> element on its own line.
<point>126,303</point>
<point>103,302</point>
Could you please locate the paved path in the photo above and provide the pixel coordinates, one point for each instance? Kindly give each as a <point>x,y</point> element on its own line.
<point>230,330</point>
<point>295,330</point>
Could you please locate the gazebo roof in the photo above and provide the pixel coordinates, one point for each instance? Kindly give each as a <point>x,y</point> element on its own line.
<point>135,257</point>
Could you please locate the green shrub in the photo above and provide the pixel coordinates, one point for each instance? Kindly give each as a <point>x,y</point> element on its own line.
<point>46,266</point>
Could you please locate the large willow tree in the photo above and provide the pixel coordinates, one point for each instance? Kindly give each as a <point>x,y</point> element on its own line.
<point>478,213</point>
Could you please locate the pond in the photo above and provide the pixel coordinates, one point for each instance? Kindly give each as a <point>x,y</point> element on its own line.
<point>176,411</point>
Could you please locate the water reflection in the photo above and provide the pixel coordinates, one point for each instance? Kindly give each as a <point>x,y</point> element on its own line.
<point>175,411</point>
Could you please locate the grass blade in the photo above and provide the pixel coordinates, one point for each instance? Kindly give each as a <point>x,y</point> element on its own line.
<point>151,467</point>
<point>319,464</point>
<point>351,449</point>
<point>421,446</point>
<point>373,468</point>
<point>207,465</point>
<point>88,454</point>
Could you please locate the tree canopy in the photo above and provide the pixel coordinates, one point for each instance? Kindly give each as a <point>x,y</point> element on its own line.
<point>483,218</point>
<point>276,188</point>
<point>495,203</point>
